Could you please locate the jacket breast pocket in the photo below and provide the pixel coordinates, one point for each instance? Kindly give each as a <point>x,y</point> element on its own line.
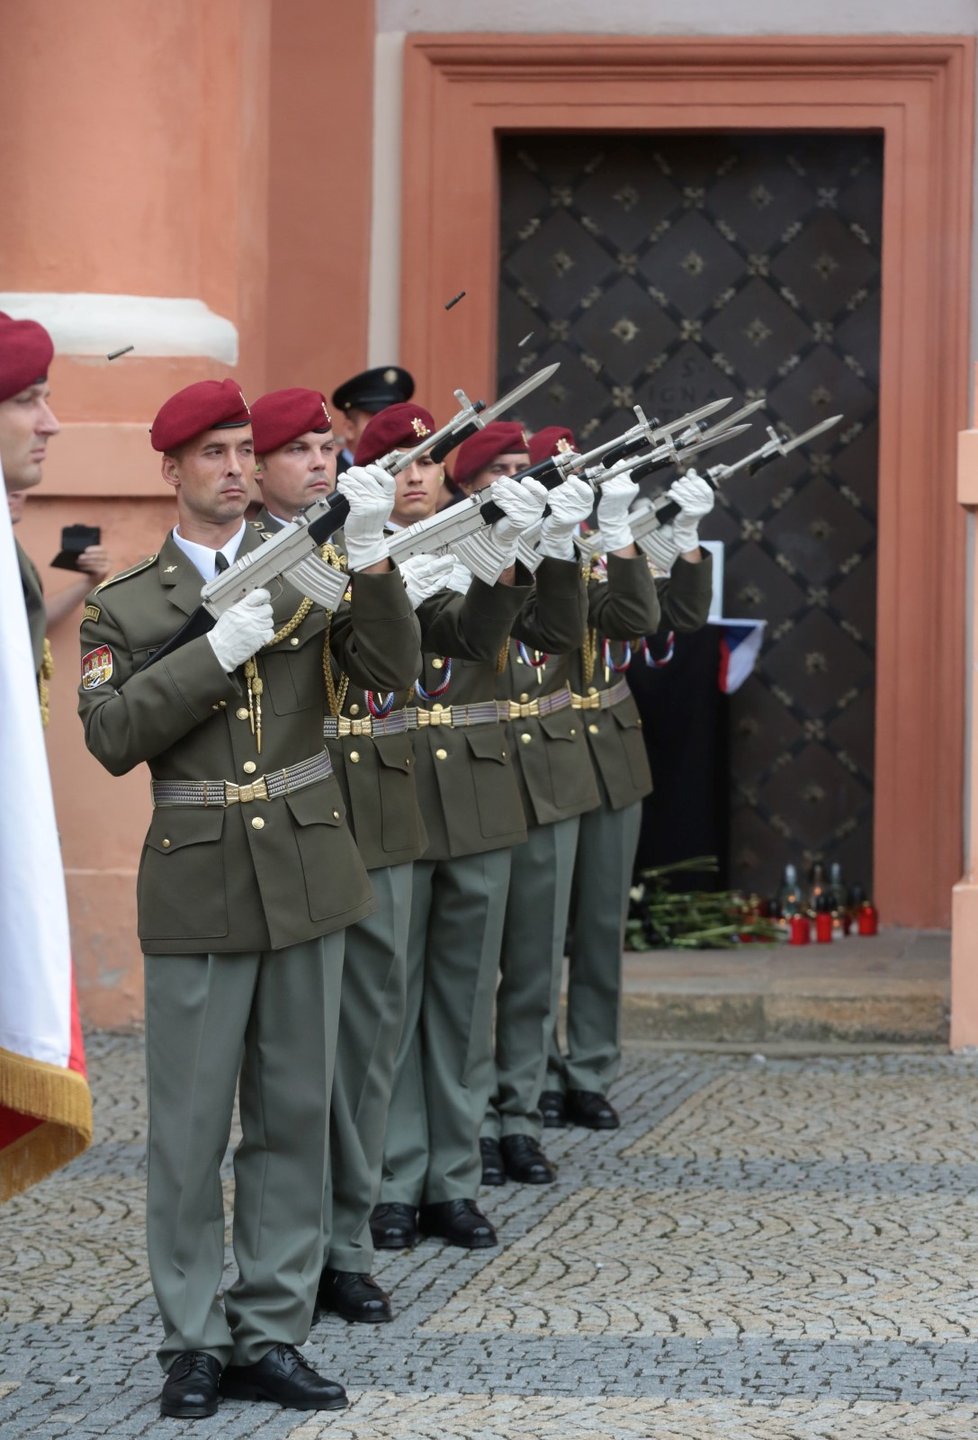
<point>331,866</point>
<point>181,889</point>
<point>292,673</point>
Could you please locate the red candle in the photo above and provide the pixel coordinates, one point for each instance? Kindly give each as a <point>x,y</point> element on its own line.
<point>867,918</point>
<point>800,930</point>
<point>823,926</point>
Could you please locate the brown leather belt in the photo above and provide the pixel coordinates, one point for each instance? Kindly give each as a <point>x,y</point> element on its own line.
<point>222,793</point>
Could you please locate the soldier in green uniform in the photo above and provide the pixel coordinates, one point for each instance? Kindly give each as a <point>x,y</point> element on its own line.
<point>558,787</point>
<point>576,1083</point>
<point>370,746</point>
<point>247,878</point>
<point>27,423</point>
<point>472,811</point>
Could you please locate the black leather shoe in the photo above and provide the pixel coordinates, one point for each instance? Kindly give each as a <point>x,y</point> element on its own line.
<point>460,1222</point>
<point>552,1110</point>
<point>283,1377</point>
<point>354,1296</point>
<point>493,1172</point>
<point>587,1107</point>
<point>394,1227</point>
<point>525,1161</point>
<point>190,1388</point>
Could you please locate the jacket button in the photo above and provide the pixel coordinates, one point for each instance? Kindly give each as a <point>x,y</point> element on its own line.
<point>223,704</point>
<point>573,730</point>
<point>354,709</point>
<point>437,707</point>
<point>165,844</point>
<point>336,814</point>
<point>249,767</point>
<point>592,689</point>
<point>502,754</point>
<point>241,712</point>
<point>592,729</point>
<point>523,698</point>
<point>441,754</point>
<point>526,737</point>
<point>354,757</point>
<point>258,823</point>
<point>294,640</point>
<point>437,663</point>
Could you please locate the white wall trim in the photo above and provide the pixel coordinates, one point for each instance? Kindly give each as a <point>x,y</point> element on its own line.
<point>383,330</point>
<point>89,324</point>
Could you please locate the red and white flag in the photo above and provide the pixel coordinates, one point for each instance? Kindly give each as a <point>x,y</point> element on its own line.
<point>45,1103</point>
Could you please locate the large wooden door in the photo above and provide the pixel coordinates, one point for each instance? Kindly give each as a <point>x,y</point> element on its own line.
<point>667,270</point>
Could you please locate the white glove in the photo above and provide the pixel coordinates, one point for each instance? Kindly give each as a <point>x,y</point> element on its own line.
<point>523,502</point>
<point>695,498</point>
<point>616,495</point>
<point>242,630</point>
<point>460,579</point>
<point>425,575</point>
<point>370,491</point>
<point>570,502</point>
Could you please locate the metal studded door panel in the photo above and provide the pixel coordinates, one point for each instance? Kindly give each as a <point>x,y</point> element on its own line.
<point>667,270</point>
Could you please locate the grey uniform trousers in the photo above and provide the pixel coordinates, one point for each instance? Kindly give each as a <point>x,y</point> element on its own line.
<point>371,1020</point>
<point>271,1016</point>
<point>602,878</point>
<point>530,966</point>
<point>443,1069</point>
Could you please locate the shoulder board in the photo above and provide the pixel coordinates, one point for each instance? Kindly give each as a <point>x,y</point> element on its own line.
<point>124,574</point>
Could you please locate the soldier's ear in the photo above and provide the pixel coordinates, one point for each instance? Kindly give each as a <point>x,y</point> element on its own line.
<point>170,470</point>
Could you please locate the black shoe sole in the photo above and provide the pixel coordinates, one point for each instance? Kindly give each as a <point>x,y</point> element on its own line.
<point>386,1242</point>
<point>256,1392</point>
<point>493,1177</point>
<point>532,1179</point>
<point>486,1244</point>
<point>187,1412</point>
<point>353,1319</point>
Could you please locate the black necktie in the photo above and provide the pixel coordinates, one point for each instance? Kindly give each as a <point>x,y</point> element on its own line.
<point>220,562</point>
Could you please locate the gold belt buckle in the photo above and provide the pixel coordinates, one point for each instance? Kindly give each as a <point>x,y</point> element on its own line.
<point>586,702</point>
<point>523,709</point>
<point>438,716</point>
<point>361,727</point>
<point>244,794</point>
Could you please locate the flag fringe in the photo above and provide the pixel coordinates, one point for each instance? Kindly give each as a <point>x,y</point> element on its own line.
<point>61,1099</point>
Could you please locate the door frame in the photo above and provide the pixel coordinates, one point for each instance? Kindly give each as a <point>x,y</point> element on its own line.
<point>462,91</point>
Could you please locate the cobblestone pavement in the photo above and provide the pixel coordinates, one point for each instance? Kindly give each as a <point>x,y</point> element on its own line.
<point>765,1249</point>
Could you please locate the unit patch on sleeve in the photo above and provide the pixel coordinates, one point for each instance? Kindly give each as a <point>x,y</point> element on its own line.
<point>97,667</point>
<point>92,612</point>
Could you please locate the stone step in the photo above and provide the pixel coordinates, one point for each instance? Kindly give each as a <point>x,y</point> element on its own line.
<point>892,988</point>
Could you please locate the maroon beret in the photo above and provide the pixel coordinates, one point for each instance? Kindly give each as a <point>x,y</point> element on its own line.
<point>499,437</point>
<point>551,440</point>
<point>283,415</point>
<point>26,351</point>
<point>206,405</point>
<point>399,427</point>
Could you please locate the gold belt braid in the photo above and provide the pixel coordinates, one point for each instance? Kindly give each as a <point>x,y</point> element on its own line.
<point>222,793</point>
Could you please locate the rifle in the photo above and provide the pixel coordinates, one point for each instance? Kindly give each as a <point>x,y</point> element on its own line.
<point>292,553</point>
<point>648,516</point>
<point>460,528</point>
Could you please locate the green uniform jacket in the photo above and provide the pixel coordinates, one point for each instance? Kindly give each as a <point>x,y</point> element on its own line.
<point>34,601</point>
<point>467,784</point>
<point>377,775</point>
<point>553,757</point>
<point>614,736</point>
<point>214,878</point>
